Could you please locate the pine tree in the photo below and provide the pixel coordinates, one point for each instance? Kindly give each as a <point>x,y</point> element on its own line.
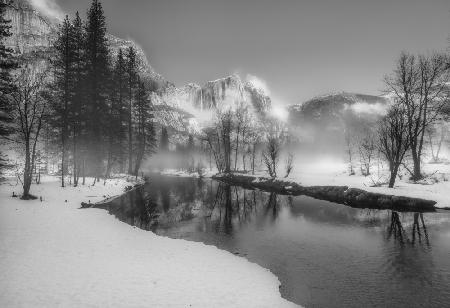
<point>145,134</point>
<point>78,106</point>
<point>131,86</point>
<point>117,115</point>
<point>64,74</point>
<point>7,63</point>
<point>97,78</point>
<point>164,140</point>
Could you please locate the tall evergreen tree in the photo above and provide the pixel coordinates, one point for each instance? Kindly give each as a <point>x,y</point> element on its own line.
<point>64,74</point>
<point>145,133</point>
<point>164,140</point>
<point>78,106</point>
<point>131,85</point>
<point>97,78</point>
<point>117,115</point>
<point>7,63</point>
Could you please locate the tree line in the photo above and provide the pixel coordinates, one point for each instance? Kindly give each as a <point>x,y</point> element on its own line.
<point>96,108</point>
<point>418,92</point>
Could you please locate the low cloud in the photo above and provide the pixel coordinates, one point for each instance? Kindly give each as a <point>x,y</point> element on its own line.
<point>367,108</point>
<point>279,109</point>
<point>48,8</point>
<point>258,83</point>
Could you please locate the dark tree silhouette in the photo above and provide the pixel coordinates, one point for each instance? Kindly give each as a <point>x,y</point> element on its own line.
<point>29,109</point>
<point>394,139</point>
<point>419,84</point>
<point>7,64</point>
<point>64,74</point>
<point>145,134</point>
<point>97,78</point>
<point>132,86</point>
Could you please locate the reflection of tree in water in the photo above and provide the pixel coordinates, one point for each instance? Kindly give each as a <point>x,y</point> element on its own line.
<point>397,231</point>
<point>411,261</point>
<point>234,206</point>
<point>271,210</point>
<point>396,228</point>
<point>136,208</point>
<point>416,229</point>
<point>165,197</point>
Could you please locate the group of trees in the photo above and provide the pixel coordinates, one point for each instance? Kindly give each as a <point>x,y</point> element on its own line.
<point>97,108</point>
<point>419,86</point>
<point>237,141</point>
<point>101,108</point>
<point>419,93</point>
<point>7,64</point>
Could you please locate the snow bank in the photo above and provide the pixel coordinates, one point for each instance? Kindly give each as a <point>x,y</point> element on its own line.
<point>439,191</point>
<point>54,254</point>
<point>207,173</point>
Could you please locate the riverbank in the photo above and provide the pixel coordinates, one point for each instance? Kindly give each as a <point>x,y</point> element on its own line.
<point>339,194</point>
<point>54,254</point>
<point>434,187</point>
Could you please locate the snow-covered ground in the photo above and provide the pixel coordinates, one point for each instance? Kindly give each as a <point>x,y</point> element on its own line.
<point>436,187</point>
<point>54,254</point>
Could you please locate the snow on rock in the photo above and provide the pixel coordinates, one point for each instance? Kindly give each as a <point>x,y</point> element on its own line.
<point>55,254</point>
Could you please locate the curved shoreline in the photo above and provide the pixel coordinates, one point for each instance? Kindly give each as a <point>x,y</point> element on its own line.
<point>353,197</point>
<point>55,253</point>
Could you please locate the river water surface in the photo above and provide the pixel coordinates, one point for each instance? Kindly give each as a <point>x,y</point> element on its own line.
<point>325,254</point>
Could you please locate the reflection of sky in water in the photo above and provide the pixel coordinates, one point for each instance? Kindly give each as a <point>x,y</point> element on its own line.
<point>324,254</point>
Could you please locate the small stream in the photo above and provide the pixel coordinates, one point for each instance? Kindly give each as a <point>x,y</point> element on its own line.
<point>325,254</point>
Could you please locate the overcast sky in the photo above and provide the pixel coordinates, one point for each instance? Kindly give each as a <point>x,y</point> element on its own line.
<point>300,48</point>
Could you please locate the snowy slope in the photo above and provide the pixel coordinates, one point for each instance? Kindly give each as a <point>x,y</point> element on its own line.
<point>54,254</point>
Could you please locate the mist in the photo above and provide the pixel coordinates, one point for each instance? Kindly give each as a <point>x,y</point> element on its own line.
<point>49,8</point>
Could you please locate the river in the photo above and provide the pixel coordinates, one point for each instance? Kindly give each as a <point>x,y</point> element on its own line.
<point>325,254</point>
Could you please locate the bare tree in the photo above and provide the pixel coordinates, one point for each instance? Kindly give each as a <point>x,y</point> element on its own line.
<point>271,156</point>
<point>436,137</point>
<point>241,127</point>
<point>29,110</point>
<point>289,164</point>
<point>366,149</point>
<point>212,138</point>
<point>419,83</point>
<point>394,139</point>
<point>218,138</point>
<point>254,138</point>
<point>349,143</point>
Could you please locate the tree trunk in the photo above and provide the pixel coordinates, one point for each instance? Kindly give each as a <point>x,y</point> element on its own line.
<point>236,152</point>
<point>417,175</point>
<point>27,173</point>
<point>130,134</point>
<point>108,167</point>
<point>75,162</point>
<point>253,159</point>
<point>138,162</point>
<point>393,177</point>
<point>84,170</point>
<point>63,158</point>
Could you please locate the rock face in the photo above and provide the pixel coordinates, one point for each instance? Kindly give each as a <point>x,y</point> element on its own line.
<point>189,108</point>
<point>221,93</point>
<point>325,118</point>
<point>34,34</point>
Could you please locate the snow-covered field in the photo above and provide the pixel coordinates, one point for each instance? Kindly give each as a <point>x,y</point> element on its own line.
<point>436,187</point>
<point>54,254</point>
